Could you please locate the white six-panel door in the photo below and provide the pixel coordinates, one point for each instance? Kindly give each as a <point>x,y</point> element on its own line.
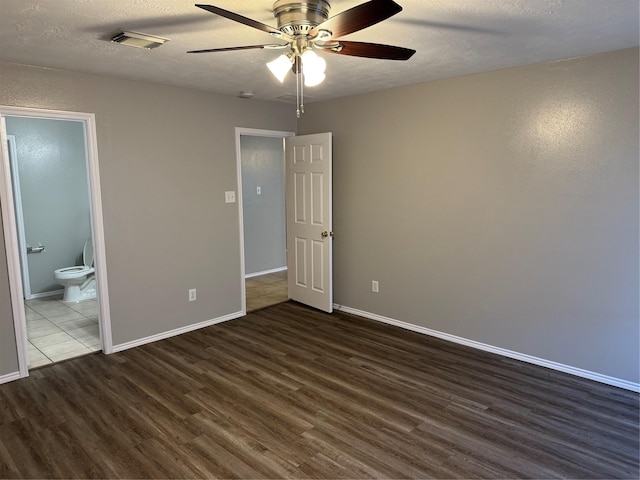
<point>309,222</point>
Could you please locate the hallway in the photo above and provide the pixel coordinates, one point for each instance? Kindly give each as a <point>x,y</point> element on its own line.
<point>266,290</point>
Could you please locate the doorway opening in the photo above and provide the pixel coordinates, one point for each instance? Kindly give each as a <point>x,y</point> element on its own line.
<point>261,198</point>
<point>52,219</point>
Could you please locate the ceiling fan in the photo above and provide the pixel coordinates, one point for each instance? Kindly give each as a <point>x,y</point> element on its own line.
<point>305,26</point>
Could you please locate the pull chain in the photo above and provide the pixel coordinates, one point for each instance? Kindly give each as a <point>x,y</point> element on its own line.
<point>298,94</point>
<point>301,75</point>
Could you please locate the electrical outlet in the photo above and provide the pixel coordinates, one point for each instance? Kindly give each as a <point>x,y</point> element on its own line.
<point>192,294</point>
<point>375,287</point>
<point>230,197</point>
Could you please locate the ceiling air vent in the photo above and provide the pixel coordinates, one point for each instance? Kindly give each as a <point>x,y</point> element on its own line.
<point>292,98</point>
<point>139,40</point>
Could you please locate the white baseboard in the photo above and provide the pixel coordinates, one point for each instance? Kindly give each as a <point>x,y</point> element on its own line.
<point>178,331</point>
<point>46,294</point>
<point>265,272</point>
<point>9,377</point>
<point>616,382</point>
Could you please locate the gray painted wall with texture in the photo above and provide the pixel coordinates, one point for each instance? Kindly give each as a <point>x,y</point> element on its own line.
<point>500,207</point>
<point>166,156</point>
<point>8,350</point>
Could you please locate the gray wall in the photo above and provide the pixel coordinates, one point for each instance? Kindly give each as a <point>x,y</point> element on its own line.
<point>52,166</point>
<point>264,215</point>
<point>500,207</point>
<point>167,155</point>
<point>8,352</point>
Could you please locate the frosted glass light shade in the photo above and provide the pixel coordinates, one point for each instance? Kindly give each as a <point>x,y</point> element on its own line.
<point>313,68</point>
<point>280,67</point>
<point>313,79</point>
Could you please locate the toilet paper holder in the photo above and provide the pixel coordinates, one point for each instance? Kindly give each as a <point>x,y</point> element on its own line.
<point>35,249</point>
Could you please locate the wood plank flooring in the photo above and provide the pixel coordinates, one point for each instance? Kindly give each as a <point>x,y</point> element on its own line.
<point>266,290</point>
<point>288,392</point>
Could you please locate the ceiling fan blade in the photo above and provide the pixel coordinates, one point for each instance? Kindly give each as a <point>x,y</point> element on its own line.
<point>244,20</point>
<point>245,47</point>
<point>358,17</point>
<point>370,50</point>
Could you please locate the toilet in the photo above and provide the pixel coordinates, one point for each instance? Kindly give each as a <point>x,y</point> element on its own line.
<point>79,282</point>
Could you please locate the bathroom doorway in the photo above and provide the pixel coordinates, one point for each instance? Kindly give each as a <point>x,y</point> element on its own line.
<point>51,211</point>
<point>261,184</point>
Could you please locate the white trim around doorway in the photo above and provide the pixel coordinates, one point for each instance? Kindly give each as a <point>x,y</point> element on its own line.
<point>11,232</point>
<point>265,272</point>
<point>254,133</point>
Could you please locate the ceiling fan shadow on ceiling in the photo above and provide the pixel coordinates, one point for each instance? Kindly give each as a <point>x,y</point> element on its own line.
<point>305,26</point>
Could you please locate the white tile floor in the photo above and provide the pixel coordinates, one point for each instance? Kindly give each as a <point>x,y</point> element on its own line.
<point>59,331</point>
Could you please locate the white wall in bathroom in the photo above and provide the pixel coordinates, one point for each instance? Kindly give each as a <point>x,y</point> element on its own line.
<point>55,197</point>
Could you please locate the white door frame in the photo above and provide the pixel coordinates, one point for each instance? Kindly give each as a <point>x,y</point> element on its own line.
<point>254,133</point>
<point>11,232</point>
<point>17,199</point>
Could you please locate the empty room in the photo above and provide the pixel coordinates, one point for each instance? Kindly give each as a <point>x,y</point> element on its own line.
<point>436,203</point>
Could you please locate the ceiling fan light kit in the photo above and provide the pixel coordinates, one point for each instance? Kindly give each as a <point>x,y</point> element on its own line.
<point>305,26</point>
<point>313,67</point>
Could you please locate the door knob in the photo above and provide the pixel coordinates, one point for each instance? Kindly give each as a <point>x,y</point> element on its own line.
<point>326,234</point>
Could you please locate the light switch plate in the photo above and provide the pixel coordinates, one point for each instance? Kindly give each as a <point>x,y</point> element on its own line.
<point>230,197</point>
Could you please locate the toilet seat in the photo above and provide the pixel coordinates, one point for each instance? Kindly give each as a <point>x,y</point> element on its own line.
<point>79,281</point>
<point>77,271</point>
<point>73,272</point>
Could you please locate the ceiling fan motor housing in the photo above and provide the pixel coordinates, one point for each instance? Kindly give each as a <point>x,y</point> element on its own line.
<point>298,18</point>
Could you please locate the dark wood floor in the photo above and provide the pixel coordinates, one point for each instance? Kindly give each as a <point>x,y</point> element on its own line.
<point>290,392</point>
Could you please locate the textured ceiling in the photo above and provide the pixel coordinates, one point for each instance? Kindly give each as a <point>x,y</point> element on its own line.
<point>452,38</point>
